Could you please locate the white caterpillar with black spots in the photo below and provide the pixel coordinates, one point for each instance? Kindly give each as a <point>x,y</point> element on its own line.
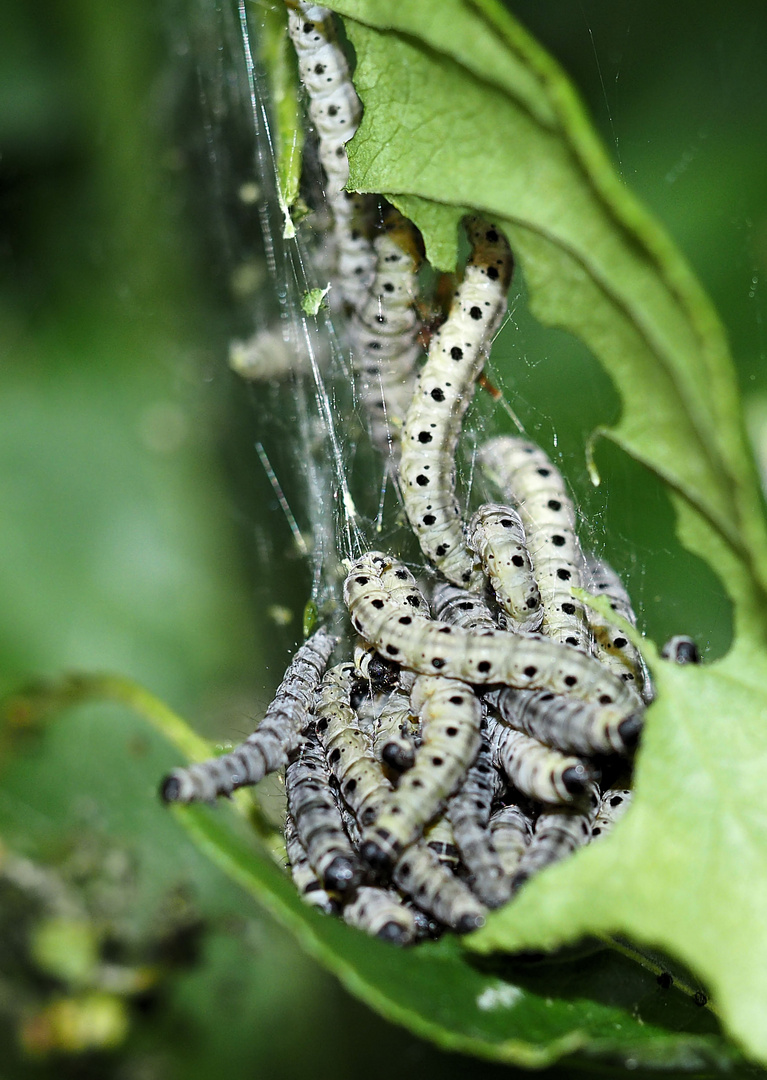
<point>497,535</point>
<point>403,634</point>
<point>527,478</point>
<point>450,715</point>
<point>442,395</point>
<point>335,109</point>
<point>349,754</point>
<point>611,645</point>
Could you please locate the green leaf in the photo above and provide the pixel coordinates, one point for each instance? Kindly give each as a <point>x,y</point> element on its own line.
<point>599,1007</point>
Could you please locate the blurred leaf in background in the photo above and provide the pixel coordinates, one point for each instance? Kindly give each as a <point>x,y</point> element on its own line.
<point>139,533</point>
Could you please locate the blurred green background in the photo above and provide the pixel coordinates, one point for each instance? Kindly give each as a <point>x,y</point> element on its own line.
<point>139,533</point>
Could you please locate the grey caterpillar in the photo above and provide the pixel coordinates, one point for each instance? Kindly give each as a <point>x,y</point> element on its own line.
<point>384,331</point>
<point>437,891</point>
<point>394,737</point>
<point>559,831</point>
<point>612,647</point>
<point>450,716</point>
<point>577,727</point>
<point>442,395</point>
<point>469,814</point>
<point>511,830</point>
<point>335,110</point>
<point>525,475</point>
<point>361,782</point>
<point>268,748</point>
<point>536,770</point>
<point>381,913</point>
<point>313,807</point>
<point>429,646</point>
<point>614,804</point>
<point>497,535</point>
<point>306,881</point>
<point>459,607</point>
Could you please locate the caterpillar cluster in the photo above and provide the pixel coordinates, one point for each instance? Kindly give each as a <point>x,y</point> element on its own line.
<point>429,777</point>
<point>476,735</point>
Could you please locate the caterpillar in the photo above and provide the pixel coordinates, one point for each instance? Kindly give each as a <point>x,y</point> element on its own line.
<point>335,110</point>
<point>273,352</point>
<point>511,831</point>
<point>384,331</point>
<point>442,395</point>
<point>420,874</point>
<point>536,770</point>
<point>577,727</point>
<point>313,806</point>
<point>363,786</point>
<point>381,913</point>
<point>614,804</point>
<point>394,738</point>
<point>450,716</point>
<point>461,608</point>
<point>497,535</point>
<point>559,831</point>
<point>429,646</point>
<point>681,649</point>
<point>306,881</point>
<point>469,813</point>
<point>268,748</point>
<point>526,477</point>
<point>614,649</point>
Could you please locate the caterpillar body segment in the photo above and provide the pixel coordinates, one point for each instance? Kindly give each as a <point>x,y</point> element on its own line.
<point>268,748</point>
<point>469,814</point>
<point>313,806</point>
<point>442,395</point>
<point>559,831</point>
<point>306,881</point>
<point>429,646</point>
<point>440,839</point>
<point>614,804</point>
<point>402,586</point>
<point>528,479</point>
<point>536,770</point>
<point>450,716</point>
<point>381,913</point>
<point>570,725</point>
<point>436,890</point>
<point>497,535</point>
<point>459,607</point>
<point>611,646</point>
<point>362,784</point>
<point>511,831</point>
